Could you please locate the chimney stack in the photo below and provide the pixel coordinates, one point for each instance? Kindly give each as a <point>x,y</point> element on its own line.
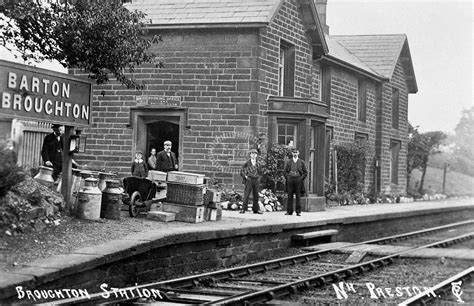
<point>321,8</point>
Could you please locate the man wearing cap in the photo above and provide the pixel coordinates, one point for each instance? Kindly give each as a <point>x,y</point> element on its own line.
<point>295,172</point>
<point>166,160</point>
<point>251,173</point>
<point>52,150</point>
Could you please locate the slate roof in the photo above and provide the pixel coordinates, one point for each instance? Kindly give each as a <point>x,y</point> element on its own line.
<point>192,12</point>
<point>340,53</point>
<point>381,53</point>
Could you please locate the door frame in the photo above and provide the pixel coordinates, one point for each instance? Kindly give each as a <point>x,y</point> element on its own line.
<point>141,116</point>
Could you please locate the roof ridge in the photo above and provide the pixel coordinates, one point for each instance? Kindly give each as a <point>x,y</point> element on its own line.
<point>358,35</point>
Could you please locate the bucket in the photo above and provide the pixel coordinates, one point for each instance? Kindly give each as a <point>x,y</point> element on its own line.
<point>111,200</point>
<point>89,200</point>
<point>45,176</point>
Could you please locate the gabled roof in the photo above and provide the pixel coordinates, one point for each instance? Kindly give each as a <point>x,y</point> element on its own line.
<point>178,14</point>
<point>381,53</point>
<point>340,55</point>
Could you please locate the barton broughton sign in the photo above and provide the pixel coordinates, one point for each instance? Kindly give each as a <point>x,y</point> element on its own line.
<point>41,95</point>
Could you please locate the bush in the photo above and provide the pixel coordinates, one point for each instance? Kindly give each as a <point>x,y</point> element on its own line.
<point>10,173</point>
<point>274,164</point>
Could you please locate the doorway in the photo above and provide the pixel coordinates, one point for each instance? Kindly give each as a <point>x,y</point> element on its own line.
<point>160,131</point>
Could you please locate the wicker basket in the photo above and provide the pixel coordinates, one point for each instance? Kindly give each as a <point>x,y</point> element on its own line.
<point>185,194</point>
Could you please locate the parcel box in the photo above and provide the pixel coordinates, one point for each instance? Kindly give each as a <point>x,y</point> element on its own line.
<point>185,178</point>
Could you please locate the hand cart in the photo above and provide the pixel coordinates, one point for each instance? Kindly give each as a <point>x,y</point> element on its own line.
<point>140,193</point>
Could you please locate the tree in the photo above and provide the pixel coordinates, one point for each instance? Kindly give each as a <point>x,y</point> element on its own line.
<point>420,147</point>
<point>464,139</point>
<point>101,37</point>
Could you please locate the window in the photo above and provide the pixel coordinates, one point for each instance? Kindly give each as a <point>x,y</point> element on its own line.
<point>361,100</point>
<point>395,108</point>
<point>361,139</point>
<point>286,70</point>
<point>287,134</point>
<point>394,155</point>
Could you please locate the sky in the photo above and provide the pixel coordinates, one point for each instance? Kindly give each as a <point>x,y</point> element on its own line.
<point>440,37</point>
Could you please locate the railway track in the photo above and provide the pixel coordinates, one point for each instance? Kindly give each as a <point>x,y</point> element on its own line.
<point>448,291</point>
<point>279,278</point>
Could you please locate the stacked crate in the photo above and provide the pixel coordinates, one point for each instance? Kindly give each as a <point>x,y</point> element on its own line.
<point>213,205</point>
<point>185,196</point>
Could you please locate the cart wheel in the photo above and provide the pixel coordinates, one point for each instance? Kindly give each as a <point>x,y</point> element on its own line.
<point>134,199</point>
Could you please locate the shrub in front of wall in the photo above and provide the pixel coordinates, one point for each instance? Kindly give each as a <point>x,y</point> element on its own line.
<point>10,173</point>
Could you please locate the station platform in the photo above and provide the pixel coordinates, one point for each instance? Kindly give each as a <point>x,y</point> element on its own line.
<point>178,248</point>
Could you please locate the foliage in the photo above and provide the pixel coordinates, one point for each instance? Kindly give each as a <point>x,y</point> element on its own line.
<point>275,160</point>
<point>101,37</point>
<point>10,173</point>
<point>464,130</point>
<point>350,167</point>
<point>420,147</point>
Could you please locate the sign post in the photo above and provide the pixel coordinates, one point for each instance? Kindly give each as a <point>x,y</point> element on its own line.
<point>37,94</point>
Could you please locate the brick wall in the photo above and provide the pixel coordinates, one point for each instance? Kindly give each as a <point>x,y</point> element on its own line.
<point>215,73</point>
<point>344,99</point>
<point>286,26</point>
<point>389,133</point>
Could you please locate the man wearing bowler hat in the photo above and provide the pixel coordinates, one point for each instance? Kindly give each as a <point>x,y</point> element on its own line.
<point>251,173</point>
<point>52,150</point>
<point>295,172</point>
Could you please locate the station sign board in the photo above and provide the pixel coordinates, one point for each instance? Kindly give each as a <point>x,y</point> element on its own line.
<point>37,94</point>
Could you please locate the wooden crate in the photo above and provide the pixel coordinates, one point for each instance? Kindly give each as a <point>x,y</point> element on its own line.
<point>186,178</point>
<point>191,214</point>
<point>185,194</point>
<point>213,196</point>
<point>157,175</point>
<point>161,216</point>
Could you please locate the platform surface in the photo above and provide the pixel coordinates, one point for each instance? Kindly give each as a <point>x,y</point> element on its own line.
<point>232,224</point>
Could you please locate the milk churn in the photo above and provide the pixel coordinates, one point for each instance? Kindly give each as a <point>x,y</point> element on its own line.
<point>88,200</point>
<point>111,201</point>
<point>45,176</point>
<point>103,176</point>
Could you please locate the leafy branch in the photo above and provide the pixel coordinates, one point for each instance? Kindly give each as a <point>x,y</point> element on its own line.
<point>101,37</point>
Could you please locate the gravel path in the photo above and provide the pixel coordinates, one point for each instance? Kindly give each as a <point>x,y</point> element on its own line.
<point>71,234</point>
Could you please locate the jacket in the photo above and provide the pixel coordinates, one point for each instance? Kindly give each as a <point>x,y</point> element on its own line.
<point>300,165</point>
<point>245,170</point>
<point>164,163</point>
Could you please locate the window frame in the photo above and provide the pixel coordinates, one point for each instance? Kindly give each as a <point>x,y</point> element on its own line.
<point>394,160</point>
<point>362,100</point>
<point>395,108</point>
<point>286,69</point>
<point>295,132</point>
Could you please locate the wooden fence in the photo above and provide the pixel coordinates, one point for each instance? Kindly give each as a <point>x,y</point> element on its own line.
<point>29,140</point>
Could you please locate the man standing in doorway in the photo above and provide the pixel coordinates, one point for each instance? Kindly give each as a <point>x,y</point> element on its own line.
<point>166,160</point>
<point>52,151</point>
<point>295,173</point>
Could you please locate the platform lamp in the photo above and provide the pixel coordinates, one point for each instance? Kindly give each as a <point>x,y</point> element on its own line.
<point>77,144</point>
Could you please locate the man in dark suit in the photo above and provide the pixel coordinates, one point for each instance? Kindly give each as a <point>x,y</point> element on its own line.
<point>166,160</point>
<point>52,151</point>
<point>295,173</point>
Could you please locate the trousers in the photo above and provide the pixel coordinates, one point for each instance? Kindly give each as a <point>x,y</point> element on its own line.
<point>251,185</point>
<point>294,188</point>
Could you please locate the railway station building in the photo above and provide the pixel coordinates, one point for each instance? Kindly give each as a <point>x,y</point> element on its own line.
<point>246,74</point>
